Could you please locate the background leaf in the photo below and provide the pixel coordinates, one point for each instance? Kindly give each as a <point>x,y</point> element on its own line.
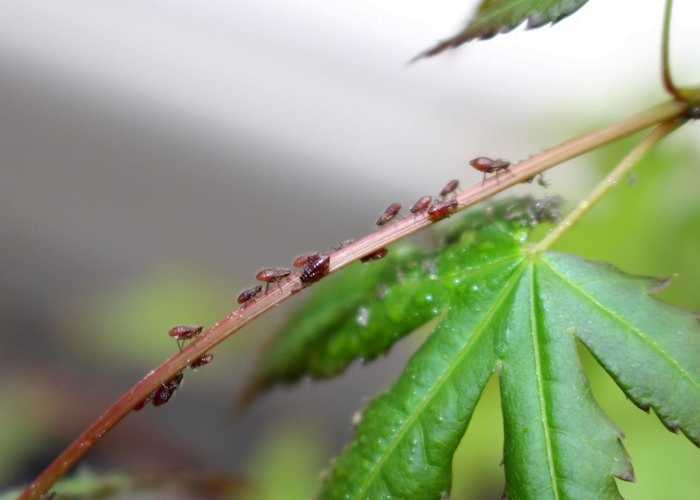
<point>501,16</point>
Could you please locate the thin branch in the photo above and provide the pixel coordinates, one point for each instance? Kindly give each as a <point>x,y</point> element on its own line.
<point>665,54</point>
<point>339,259</point>
<point>612,180</point>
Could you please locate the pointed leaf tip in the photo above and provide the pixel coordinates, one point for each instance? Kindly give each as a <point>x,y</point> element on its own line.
<point>495,17</point>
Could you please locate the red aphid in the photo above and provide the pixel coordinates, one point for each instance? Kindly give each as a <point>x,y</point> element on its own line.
<point>489,166</point>
<point>389,213</point>
<point>421,205</point>
<point>184,332</point>
<point>268,276</point>
<point>442,209</point>
<point>449,188</point>
<point>302,259</point>
<point>205,359</point>
<point>315,268</point>
<point>163,394</point>
<point>249,294</point>
<point>376,255</point>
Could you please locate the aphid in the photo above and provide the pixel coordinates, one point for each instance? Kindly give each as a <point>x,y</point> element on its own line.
<point>249,294</point>
<point>205,359</point>
<point>421,205</point>
<point>489,166</point>
<point>163,394</point>
<point>302,259</point>
<point>389,213</point>
<point>442,209</point>
<point>449,188</point>
<point>315,268</point>
<point>268,276</point>
<point>184,332</point>
<point>376,255</point>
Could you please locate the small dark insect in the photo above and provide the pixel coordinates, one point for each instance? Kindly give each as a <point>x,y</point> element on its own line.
<point>268,276</point>
<point>249,294</point>
<point>442,209</point>
<point>315,268</point>
<point>163,394</point>
<point>389,213</point>
<point>449,188</point>
<point>302,259</point>
<point>184,332</point>
<point>489,166</point>
<point>421,205</point>
<point>205,359</point>
<point>376,255</point>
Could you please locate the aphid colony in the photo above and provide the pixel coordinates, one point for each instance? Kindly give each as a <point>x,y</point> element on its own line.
<point>162,395</point>
<point>314,266</point>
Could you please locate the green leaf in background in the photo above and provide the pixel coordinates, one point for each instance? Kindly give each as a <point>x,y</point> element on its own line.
<point>361,312</point>
<point>501,16</point>
<point>520,313</point>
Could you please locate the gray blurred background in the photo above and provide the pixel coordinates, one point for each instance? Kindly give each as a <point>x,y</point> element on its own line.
<point>155,154</point>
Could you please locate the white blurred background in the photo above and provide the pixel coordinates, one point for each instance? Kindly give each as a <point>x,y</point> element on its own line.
<point>141,138</point>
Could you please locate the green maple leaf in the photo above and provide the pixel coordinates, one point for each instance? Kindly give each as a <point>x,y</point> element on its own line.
<point>508,311</point>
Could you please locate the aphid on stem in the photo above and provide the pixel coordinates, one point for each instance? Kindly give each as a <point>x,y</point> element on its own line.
<point>184,332</point>
<point>205,359</point>
<point>302,259</point>
<point>315,268</point>
<point>389,213</point>
<point>442,209</point>
<point>163,394</point>
<point>376,255</point>
<point>449,188</point>
<point>268,276</point>
<point>489,166</point>
<point>249,294</point>
<point>421,205</point>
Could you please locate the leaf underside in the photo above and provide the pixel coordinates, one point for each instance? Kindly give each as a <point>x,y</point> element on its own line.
<point>501,16</point>
<point>515,313</point>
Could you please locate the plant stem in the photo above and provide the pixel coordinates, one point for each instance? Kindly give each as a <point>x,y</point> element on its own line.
<point>665,54</point>
<point>612,179</point>
<point>339,259</point>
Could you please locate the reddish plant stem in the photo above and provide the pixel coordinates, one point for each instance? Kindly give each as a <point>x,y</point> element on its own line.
<point>339,259</point>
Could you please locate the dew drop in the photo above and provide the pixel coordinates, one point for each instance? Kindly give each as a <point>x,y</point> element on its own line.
<point>362,317</point>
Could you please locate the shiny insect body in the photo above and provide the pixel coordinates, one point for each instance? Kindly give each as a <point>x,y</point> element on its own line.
<point>442,209</point>
<point>268,276</point>
<point>205,359</point>
<point>421,205</point>
<point>315,268</point>
<point>249,294</point>
<point>389,213</point>
<point>376,255</point>
<point>181,333</point>
<point>489,166</point>
<point>449,188</point>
